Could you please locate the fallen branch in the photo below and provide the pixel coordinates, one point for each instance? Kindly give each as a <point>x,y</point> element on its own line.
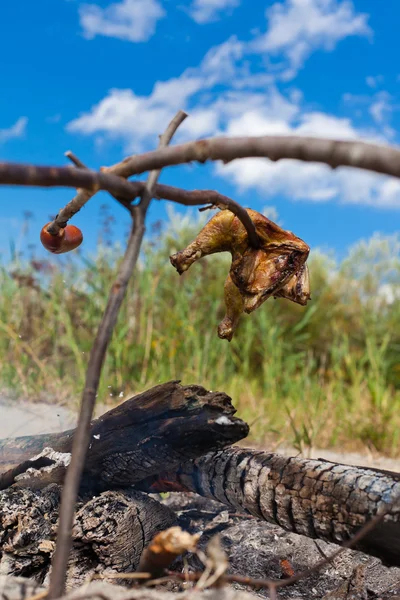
<point>314,498</point>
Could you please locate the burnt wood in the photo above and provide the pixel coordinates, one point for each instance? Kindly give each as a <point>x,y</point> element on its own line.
<point>110,532</point>
<point>315,498</point>
<point>152,431</point>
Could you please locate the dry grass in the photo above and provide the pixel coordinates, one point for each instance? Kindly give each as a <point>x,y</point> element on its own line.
<point>325,375</point>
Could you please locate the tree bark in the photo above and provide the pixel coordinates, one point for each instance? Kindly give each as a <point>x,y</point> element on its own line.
<point>153,431</point>
<point>315,498</point>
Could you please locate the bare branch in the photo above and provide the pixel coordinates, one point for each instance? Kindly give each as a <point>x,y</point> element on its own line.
<point>80,165</point>
<point>96,361</point>
<point>84,195</point>
<point>82,432</point>
<point>335,153</point>
<point>74,159</point>
<point>20,174</point>
<point>198,197</point>
<point>165,139</point>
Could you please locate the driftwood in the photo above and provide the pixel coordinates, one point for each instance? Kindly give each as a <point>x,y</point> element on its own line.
<point>155,430</point>
<point>314,498</point>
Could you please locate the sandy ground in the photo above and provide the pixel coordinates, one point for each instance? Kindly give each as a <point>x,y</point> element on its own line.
<point>18,418</point>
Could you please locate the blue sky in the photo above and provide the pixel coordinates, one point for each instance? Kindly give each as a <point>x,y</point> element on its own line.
<point>103,79</point>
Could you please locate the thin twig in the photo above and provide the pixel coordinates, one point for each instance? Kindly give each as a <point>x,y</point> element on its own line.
<point>80,165</point>
<point>274,584</point>
<point>165,138</point>
<point>97,355</point>
<point>84,195</point>
<point>334,153</point>
<point>73,158</point>
<point>198,197</point>
<point>20,174</point>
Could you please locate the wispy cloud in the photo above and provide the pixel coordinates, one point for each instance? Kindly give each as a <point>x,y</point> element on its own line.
<point>382,107</point>
<point>296,28</point>
<point>116,115</point>
<point>15,131</point>
<point>205,11</point>
<point>374,81</point>
<point>130,20</point>
<point>307,181</point>
<point>228,93</point>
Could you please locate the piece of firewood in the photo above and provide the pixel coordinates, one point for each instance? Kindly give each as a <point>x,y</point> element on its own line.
<point>152,431</point>
<point>315,498</point>
<point>110,532</point>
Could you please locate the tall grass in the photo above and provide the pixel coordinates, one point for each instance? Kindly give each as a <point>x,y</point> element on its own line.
<point>323,375</point>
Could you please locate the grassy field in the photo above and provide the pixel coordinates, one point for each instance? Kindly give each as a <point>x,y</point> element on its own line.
<point>327,375</point>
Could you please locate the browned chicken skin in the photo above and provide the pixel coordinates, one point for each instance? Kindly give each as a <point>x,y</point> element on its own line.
<point>276,269</point>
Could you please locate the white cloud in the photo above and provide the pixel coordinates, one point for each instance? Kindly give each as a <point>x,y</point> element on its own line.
<point>204,11</point>
<point>374,81</point>
<point>131,20</point>
<point>381,107</point>
<point>136,119</point>
<point>200,123</point>
<point>15,131</point>
<point>306,181</point>
<point>220,62</point>
<point>298,27</point>
<point>228,94</point>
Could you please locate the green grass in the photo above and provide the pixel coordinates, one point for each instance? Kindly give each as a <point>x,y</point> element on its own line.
<point>323,375</point>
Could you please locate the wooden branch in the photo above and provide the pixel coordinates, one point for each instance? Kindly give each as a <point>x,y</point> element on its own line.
<point>198,197</point>
<point>81,438</point>
<point>334,153</point>
<point>80,165</point>
<point>315,498</point>
<point>41,176</point>
<point>20,174</point>
<point>148,192</point>
<point>149,433</point>
<point>97,356</point>
<point>84,195</point>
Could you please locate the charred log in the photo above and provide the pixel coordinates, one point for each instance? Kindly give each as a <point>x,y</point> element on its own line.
<point>110,532</point>
<point>314,498</point>
<point>152,431</point>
